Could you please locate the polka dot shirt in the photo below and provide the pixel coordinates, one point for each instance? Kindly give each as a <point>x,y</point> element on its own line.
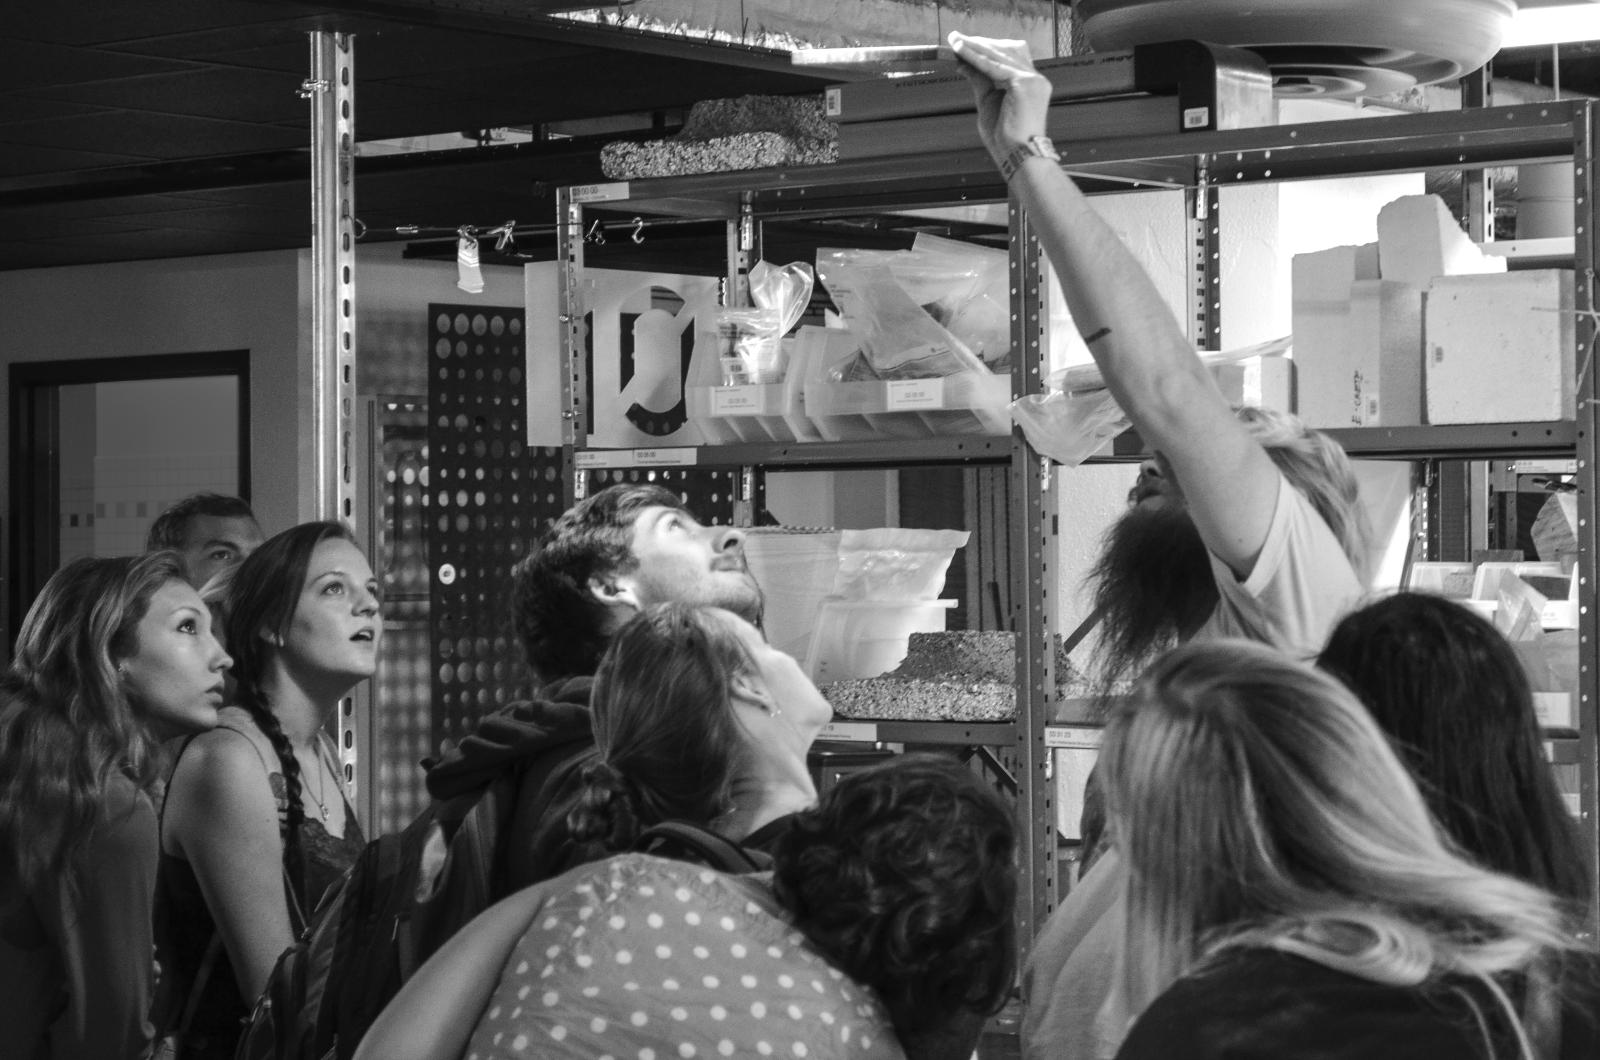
<point>641,958</point>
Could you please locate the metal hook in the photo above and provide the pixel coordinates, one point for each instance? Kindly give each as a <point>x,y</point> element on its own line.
<point>507,239</point>
<point>361,227</point>
<point>638,230</point>
<point>595,234</point>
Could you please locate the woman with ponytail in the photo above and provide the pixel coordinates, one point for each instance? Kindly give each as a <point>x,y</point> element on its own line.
<point>115,656</point>
<point>696,718</point>
<point>1289,893</point>
<point>256,824</point>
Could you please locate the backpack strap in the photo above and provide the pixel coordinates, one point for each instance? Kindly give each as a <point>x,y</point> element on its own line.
<point>703,845</point>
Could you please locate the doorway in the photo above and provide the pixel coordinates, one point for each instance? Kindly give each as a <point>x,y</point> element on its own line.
<point>100,447</point>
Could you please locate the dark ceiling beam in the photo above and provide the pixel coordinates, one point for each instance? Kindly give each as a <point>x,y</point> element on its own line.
<point>572,160</point>
<point>522,19</point>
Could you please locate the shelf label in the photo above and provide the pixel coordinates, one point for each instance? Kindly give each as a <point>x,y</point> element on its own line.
<point>736,400</point>
<point>1196,117</point>
<point>666,457</point>
<point>906,395</point>
<point>590,459</point>
<point>1072,736</point>
<point>853,731</point>
<point>599,192</point>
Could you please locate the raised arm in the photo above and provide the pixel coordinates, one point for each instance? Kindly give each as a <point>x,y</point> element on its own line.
<point>434,1014</point>
<point>224,820</point>
<point>1149,364</point>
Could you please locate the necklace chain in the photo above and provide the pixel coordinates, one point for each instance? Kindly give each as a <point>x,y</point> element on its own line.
<point>316,796</point>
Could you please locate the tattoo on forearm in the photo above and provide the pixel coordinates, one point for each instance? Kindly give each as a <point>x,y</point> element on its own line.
<point>1096,337</point>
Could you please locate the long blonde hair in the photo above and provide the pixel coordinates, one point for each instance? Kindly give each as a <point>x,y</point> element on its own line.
<point>1258,804</point>
<point>1317,466</point>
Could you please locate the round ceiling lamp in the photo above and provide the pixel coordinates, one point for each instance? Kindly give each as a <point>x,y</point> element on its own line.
<point>1342,49</point>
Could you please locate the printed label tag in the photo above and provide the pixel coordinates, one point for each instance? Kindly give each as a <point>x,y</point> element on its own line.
<point>600,192</point>
<point>1072,736</point>
<point>832,102</point>
<point>902,395</point>
<point>735,400</point>
<point>855,731</point>
<point>589,459</point>
<point>1196,117</point>
<point>665,457</point>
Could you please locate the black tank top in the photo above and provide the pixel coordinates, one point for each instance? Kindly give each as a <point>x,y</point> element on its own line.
<point>185,925</point>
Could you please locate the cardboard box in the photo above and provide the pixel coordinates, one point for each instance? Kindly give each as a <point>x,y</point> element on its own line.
<point>1326,358</point>
<point>1500,348</point>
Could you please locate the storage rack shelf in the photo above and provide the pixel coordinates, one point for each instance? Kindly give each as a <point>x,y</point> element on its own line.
<point>1199,164</point>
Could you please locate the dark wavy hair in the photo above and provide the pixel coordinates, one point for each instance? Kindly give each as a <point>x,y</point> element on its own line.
<point>66,726</point>
<point>261,600</point>
<point>171,528</point>
<point>667,742</point>
<point>563,628</point>
<point>903,876</point>
<point>1451,693</point>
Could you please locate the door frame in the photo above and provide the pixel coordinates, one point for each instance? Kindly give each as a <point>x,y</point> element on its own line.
<point>34,504</point>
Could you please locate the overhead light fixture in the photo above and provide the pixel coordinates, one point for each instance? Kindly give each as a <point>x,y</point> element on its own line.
<point>1558,23</point>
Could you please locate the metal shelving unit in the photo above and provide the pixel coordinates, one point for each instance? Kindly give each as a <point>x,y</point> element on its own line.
<point>1198,164</point>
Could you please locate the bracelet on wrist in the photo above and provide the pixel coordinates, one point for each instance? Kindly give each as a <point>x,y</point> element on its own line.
<point>1032,147</point>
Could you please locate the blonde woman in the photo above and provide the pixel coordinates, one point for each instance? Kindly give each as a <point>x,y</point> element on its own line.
<point>1288,892</point>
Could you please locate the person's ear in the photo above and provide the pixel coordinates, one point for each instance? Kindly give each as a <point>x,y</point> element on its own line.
<point>271,638</point>
<point>615,591</point>
<point>749,688</point>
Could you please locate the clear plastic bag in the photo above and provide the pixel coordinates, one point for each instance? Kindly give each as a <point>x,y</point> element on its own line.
<point>895,563</point>
<point>1069,428</point>
<point>749,340</point>
<point>898,303</point>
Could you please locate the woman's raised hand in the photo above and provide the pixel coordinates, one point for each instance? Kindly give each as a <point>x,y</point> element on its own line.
<point>1013,98</point>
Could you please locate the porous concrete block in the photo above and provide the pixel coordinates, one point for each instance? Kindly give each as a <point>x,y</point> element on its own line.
<point>1500,348</point>
<point>1418,239</point>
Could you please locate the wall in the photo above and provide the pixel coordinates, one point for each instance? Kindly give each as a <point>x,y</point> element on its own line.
<point>190,305</point>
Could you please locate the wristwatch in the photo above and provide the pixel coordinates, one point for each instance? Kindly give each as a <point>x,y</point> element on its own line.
<point>1032,147</point>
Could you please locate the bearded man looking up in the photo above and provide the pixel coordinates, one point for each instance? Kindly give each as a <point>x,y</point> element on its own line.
<point>1272,506</point>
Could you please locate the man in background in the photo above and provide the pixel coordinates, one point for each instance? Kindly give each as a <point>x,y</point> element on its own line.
<point>209,531</point>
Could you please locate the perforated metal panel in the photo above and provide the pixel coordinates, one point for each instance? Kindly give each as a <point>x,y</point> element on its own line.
<point>488,496</point>
<point>711,495</point>
<point>402,725</point>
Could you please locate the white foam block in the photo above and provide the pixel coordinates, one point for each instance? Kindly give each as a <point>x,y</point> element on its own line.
<point>1386,340</point>
<point>1500,348</point>
<point>1263,382</point>
<point>1418,239</point>
<point>1324,357</point>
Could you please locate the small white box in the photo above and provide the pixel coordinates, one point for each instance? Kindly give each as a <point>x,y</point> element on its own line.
<point>1554,710</point>
<point>1500,348</point>
<point>1261,382</point>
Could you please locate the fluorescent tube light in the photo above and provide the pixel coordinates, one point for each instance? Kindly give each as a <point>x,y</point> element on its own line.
<point>1553,24</point>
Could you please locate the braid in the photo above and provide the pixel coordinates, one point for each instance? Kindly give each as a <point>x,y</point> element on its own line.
<point>605,811</point>
<point>261,713</point>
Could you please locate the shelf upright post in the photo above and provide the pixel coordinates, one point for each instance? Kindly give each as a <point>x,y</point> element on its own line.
<point>1202,216</point>
<point>574,365</point>
<point>744,250</point>
<point>1033,531</point>
<point>331,92</point>
<point>1586,132</point>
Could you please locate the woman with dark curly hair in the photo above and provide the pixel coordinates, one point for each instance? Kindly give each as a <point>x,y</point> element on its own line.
<point>256,824</point>
<point>887,924</point>
<point>115,656</point>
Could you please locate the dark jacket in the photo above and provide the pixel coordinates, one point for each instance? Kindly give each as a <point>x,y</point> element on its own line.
<point>544,740</point>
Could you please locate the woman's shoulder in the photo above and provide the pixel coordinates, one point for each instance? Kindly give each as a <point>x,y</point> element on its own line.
<point>1261,1002</point>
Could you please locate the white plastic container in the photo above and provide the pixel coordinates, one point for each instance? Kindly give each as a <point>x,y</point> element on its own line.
<point>866,638</point>
<point>910,408</point>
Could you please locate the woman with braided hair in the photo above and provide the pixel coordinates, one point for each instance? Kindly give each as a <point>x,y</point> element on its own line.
<point>256,825</point>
